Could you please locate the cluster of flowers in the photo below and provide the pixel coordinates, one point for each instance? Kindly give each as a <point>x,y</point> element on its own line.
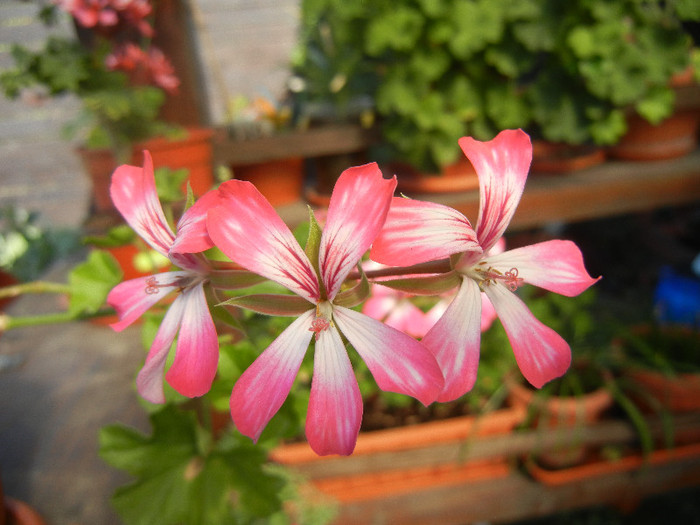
<point>430,248</point>
<point>121,22</point>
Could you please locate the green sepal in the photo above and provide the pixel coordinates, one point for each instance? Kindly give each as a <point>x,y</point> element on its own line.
<point>432,285</point>
<point>355,295</point>
<point>271,304</point>
<point>189,200</point>
<point>234,279</point>
<point>313,246</point>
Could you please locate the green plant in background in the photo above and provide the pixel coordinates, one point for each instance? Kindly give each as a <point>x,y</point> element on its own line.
<point>442,69</point>
<point>117,111</point>
<point>27,248</point>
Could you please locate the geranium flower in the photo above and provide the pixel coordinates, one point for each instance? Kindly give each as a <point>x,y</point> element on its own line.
<point>133,191</point>
<point>417,232</point>
<point>144,67</point>
<point>249,231</point>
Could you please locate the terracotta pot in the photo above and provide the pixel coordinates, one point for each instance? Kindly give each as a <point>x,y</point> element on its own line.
<point>15,512</point>
<point>561,415</point>
<point>677,393</point>
<point>6,279</point>
<point>280,181</point>
<point>410,460</point>
<point>674,137</point>
<point>193,152</point>
<point>551,157</point>
<point>600,467</point>
<point>326,169</point>
<point>99,164</point>
<point>457,177</point>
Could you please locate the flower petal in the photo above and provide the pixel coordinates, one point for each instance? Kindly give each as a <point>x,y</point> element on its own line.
<point>335,406</point>
<point>133,191</point>
<point>502,165</point>
<point>150,379</point>
<point>420,231</point>
<point>192,235</point>
<point>540,352</point>
<point>130,298</point>
<point>555,265</point>
<point>454,341</point>
<point>398,362</point>
<point>197,352</point>
<point>356,213</point>
<point>263,387</point>
<point>249,231</point>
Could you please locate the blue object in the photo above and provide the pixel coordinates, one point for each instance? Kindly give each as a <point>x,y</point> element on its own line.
<point>677,298</point>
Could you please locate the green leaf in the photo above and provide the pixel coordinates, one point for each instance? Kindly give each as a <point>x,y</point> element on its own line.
<point>91,282</point>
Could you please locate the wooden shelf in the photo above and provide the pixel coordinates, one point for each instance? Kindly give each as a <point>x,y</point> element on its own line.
<point>316,142</point>
<point>614,188</point>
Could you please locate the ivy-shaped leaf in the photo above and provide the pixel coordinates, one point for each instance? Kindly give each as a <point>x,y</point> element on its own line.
<point>91,281</point>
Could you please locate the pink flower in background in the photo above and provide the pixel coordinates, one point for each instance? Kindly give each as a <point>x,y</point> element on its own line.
<point>106,14</point>
<point>90,13</point>
<point>418,231</point>
<point>133,191</point>
<point>249,231</point>
<point>144,68</point>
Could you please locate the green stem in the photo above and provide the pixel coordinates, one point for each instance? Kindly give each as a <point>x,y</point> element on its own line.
<point>8,323</point>
<point>441,266</point>
<point>16,290</point>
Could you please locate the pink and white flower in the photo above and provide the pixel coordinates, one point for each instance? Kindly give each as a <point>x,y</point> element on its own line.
<point>249,231</point>
<point>133,192</point>
<point>417,232</point>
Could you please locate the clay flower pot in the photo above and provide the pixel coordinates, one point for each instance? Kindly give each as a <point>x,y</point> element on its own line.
<point>551,157</point>
<point>457,177</point>
<point>280,181</point>
<point>563,416</point>
<point>403,462</point>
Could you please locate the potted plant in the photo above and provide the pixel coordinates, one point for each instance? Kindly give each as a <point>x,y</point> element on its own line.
<point>567,72</point>
<point>122,81</point>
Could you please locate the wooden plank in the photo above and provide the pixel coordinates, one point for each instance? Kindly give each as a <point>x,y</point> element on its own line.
<point>614,188</point>
<point>315,142</point>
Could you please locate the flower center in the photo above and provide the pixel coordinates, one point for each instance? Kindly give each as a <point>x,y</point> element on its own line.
<point>322,321</point>
<point>488,275</point>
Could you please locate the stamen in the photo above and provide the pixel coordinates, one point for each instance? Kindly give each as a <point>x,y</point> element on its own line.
<point>491,275</point>
<point>320,323</point>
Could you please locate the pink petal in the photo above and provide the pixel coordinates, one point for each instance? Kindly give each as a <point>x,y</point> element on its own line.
<point>130,298</point>
<point>419,231</point>
<point>356,213</point>
<point>150,379</point>
<point>488,313</point>
<point>398,362</point>
<point>263,387</point>
<point>335,406</point>
<point>555,265</point>
<point>540,352</point>
<point>197,352</point>
<point>133,191</point>
<point>192,235</point>
<point>249,231</point>
<point>502,165</point>
<point>454,341</point>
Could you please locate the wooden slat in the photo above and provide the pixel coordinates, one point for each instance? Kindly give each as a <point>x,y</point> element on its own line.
<point>316,142</point>
<point>614,188</point>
